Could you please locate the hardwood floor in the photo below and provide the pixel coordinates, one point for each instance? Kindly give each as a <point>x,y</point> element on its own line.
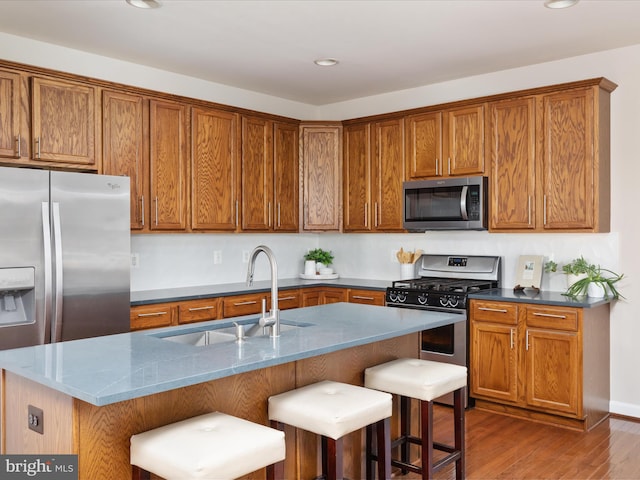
<point>501,447</point>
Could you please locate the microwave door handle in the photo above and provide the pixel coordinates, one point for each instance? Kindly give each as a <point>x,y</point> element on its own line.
<point>463,203</point>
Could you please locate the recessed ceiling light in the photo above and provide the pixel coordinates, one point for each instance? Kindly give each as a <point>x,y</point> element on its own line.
<point>144,3</point>
<point>560,3</point>
<point>326,62</point>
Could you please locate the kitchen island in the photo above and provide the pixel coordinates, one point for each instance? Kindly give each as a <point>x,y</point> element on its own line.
<point>96,393</point>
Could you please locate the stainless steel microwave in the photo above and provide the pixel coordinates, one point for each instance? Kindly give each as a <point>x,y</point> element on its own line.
<point>458,203</point>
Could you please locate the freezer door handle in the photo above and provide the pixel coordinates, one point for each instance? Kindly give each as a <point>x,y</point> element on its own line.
<point>48,276</point>
<point>56,327</point>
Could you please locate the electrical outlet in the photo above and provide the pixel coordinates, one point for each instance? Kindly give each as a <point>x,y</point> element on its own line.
<point>245,256</point>
<point>135,260</point>
<point>35,419</point>
<point>217,257</point>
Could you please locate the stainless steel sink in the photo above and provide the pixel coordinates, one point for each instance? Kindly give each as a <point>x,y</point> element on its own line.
<point>201,338</point>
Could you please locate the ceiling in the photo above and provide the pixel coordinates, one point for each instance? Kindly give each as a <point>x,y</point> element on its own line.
<point>268,46</point>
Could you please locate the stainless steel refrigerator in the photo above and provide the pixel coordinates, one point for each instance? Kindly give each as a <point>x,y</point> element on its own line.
<point>64,256</point>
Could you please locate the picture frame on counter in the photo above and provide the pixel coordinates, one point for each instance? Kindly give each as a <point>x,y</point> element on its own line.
<point>529,272</point>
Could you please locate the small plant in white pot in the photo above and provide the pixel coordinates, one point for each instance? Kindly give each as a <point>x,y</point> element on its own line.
<point>322,258</point>
<point>584,278</point>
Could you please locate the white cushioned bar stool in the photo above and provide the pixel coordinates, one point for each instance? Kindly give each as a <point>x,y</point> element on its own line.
<point>332,410</point>
<point>424,380</point>
<point>212,446</point>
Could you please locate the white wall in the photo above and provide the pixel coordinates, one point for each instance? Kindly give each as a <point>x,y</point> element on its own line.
<point>168,260</point>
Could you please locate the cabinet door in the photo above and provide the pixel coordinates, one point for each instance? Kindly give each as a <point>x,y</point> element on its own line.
<point>10,139</point>
<point>214,167</point>
<point>494,361</point>
<point>424,145</point>
<point>465,141</point>
<point>512,152</point>
<point>310,297</point>
<point>123,147</point>
<point>286,177</point>
<point>64,123</point>
<point>568,159</point>
<point>388,175</point>
<point>257,174</point>
<point>321,155</point>
<point>333,295</point>
<point>357,178</point>
<point>168,165</point>
<point>553,367</point>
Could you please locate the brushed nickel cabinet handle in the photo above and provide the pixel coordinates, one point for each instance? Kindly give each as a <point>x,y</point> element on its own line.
<point>366,214</point>
<point>511,338</point>
<point>449,166</point>
<point>154,314</point>
<point>37,148</point>
<point>292,297</point>
<point>527,341</point>
<point>142,210</point>
<point>437,165</point>
<point>497,310</point>
<point>196,309</point>
<point>549,315</point>
<point>529,214</point>
<point>279,214</point>
<point>238,304</point>
<point>19,147</point>
<point>269,216</point>
<point>544,209</point>
<point>375,211</point>
<point>156,211</point>
<point>360,297</point>
<point>236,213</point>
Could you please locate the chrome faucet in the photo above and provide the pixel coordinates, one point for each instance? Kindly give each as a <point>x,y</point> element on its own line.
<point>273,320</point>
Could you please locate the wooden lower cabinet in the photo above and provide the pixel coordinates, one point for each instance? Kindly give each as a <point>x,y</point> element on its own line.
<point>323,296</point>
<point>190,311</point>
<point>546,363</point>
<point>174,313</point>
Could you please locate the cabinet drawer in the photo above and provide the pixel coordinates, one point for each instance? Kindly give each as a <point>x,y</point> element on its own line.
<point>552,318</point>
<point>494,312</point>
<point>368,297</point>
<point>242,305</point>
<point>286,299</point>
<point>199,310</point>
<point>152,316</point>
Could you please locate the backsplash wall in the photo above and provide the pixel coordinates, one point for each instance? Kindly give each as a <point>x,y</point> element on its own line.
<point>177,260</point>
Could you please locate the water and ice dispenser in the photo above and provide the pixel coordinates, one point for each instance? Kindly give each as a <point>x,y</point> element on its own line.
<point>17,296</point>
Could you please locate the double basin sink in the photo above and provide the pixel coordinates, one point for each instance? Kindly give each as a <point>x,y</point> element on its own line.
<point>212,335</point>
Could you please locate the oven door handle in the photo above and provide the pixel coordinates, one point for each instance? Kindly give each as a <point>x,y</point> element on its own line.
<point>463,203</point>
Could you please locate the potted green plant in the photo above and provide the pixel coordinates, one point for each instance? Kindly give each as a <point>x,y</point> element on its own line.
<point>322,258</point>
<point>584,278</point>
<point>598,282</point>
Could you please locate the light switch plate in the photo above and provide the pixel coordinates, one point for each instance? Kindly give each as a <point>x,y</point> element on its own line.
<point>35,419</point>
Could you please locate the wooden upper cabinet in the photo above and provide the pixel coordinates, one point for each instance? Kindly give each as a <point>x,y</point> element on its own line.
<point>257,174</point>
<point>168,165</point>
<point>321,151</point>
<point>10,97</point>
<point>286,177</point>
<point>424,145</point>
<point>512,142</point>
<point>465,141</point>
<point>65,125</point>
<point>388,174</point>
<point>569,160</point>
<point>445,143</point>
<point>357,178</point>
<point>215,137</point>
<point>124,153</point>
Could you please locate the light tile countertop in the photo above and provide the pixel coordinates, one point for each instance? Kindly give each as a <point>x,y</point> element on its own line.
<point>114,368</point>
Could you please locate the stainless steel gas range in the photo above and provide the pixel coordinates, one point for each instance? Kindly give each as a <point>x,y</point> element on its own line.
<point>443,284</point>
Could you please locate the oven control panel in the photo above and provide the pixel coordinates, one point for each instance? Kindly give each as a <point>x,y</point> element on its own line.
<point>398,297</point>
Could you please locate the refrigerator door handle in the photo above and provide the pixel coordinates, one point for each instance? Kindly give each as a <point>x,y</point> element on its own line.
<point>48,277</point>
<point>56,326</point>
